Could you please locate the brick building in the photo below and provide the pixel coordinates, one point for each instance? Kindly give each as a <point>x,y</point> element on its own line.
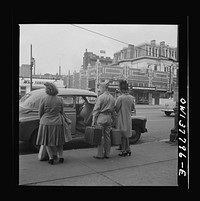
<point>149,68</point>
<point>90,59</point>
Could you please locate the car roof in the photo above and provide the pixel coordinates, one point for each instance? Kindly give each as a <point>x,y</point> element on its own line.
<point>73,91</point>
<point>67,91</point>
<point>36,95</point>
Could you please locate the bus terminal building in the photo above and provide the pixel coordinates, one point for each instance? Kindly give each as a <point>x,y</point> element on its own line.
<point>150,69</point>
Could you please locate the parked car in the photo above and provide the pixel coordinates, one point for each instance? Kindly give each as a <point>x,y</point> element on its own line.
<point>168,107</point>
<point>78,106</point>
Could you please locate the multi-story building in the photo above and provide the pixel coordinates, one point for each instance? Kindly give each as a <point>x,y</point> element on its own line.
<point>149,65</point>
<point>90,59</point>
<point>24,70</point>
<point>149,68</point>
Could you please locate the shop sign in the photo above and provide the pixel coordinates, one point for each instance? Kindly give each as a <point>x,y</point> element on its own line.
<point>144,88</point>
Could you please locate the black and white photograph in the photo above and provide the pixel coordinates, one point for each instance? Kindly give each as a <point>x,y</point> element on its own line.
<point>99,105</point>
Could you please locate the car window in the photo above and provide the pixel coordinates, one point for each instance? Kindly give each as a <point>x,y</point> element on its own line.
<point>68,101</point>
<point>92,99</point>
<point>80,100</point>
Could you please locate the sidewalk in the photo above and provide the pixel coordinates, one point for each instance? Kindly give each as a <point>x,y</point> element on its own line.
<point>151,164</point>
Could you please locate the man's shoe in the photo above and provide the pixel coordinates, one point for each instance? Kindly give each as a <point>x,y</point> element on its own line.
<point>61,160</point>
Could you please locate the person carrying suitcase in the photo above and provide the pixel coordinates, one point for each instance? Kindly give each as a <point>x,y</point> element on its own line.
<point>102,118</point>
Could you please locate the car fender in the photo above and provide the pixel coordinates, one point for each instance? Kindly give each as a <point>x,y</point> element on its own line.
<point>139,123</point>
<point>27,127</point>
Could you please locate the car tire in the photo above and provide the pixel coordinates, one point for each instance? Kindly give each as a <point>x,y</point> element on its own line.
<point>33,141</point>
<point>135,136</point>
<point>168,113</point>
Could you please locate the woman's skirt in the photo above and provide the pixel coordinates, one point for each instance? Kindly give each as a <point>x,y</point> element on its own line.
<point>50,135</point>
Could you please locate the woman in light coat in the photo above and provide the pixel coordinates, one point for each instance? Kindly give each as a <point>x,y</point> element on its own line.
<point>123,106</point>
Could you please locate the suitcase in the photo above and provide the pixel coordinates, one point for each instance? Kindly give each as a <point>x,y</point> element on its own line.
<point>93,135</point>
<point>115,136</point>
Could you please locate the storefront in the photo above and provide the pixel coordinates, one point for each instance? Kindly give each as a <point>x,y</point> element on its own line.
<point>143,95</point>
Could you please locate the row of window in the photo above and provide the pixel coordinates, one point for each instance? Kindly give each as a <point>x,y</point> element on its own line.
<point>169,53</point>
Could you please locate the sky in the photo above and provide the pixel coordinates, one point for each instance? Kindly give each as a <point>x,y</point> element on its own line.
<point>55,45</point>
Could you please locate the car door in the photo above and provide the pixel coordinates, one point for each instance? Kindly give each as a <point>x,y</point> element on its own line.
<point>70,110</point>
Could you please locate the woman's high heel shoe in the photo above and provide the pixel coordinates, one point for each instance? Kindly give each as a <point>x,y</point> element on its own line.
<point>128,153</point>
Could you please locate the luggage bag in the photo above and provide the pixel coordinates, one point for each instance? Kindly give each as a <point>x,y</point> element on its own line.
<point>115,135</point>
<point>93,135</point>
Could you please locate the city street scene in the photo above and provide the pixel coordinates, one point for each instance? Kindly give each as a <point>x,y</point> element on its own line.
<point>116,86</point>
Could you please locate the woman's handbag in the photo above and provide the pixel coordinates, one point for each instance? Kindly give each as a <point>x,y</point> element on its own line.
<point>43,155</point>
<point>66,122</point>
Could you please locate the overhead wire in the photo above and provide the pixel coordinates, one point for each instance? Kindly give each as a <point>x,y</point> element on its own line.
<point>159,55</point>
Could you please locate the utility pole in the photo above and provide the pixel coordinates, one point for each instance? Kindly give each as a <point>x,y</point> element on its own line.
<point>31,67</point>
<point>97,75</point>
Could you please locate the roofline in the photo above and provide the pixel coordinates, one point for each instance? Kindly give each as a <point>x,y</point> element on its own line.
<point>74,91</point>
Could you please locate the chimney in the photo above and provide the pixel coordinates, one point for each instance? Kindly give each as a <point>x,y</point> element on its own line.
<point>130,46</point>
<point>59,70</point>
<point>162,43</point>
<point>153,42</point>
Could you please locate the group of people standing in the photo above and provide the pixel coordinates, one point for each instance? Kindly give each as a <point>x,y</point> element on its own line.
<point>103,113</point>
<point>51,107</point>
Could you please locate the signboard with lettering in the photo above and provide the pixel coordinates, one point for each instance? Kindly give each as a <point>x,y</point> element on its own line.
<point>145,88</point>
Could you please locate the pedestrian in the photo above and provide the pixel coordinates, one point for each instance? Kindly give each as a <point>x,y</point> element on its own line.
<point>50,132</point>
<point>123,106</point>
<point>117,94</point>
<point>102,118</point>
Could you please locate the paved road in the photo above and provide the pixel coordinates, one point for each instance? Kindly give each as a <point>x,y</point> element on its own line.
<point>158,124</point>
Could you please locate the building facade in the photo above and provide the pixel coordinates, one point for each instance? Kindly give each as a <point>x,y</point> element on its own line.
<point>90,59</point>
<point>149,68</point>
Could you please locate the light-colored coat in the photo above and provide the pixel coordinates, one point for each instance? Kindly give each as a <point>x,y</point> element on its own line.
<point>105,104</point>
<point>123,106</point>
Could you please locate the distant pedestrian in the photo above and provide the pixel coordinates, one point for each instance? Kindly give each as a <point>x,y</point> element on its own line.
<point>50,132</point>
<point>102,118</point>
<point>124,105</point>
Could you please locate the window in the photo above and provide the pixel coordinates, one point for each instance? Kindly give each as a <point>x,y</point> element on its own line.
<point>156,52</point>
<point>155,67</point>
<point>68,101</point>
<point>149,51</point>
<point>136,53</point>
<point>140,84</point>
